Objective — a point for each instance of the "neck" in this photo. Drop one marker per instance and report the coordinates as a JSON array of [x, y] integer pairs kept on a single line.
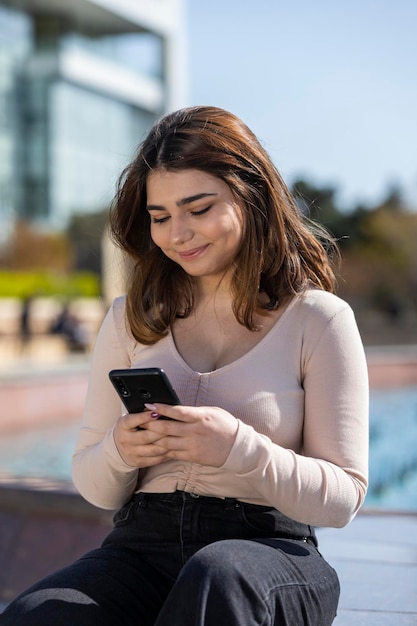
[[213, 288]]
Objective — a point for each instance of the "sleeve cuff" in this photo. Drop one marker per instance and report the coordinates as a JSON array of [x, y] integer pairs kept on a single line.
[[250, 451], [113, 455]]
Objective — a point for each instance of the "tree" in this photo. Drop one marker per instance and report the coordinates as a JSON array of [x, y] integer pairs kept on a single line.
[[33, 249], [319, 205], [378, 244], [381, 264], [85, 234]]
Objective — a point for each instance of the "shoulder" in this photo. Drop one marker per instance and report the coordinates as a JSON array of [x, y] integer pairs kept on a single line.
[[315, 310], [117, 313], [328, 330], [118, 307], [321, 303]]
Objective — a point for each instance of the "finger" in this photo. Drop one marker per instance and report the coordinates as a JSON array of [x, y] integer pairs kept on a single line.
[[150, 452], [131, 421], [151, 461], [175, 412], [164, 427]]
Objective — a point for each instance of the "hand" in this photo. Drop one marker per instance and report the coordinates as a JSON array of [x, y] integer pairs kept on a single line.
[[138, 448], [203, 435]]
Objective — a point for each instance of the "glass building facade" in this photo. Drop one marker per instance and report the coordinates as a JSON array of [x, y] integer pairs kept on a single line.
[[80, 85]]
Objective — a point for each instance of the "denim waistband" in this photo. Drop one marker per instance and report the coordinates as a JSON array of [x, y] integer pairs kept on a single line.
[[269, 520], [186, 496]]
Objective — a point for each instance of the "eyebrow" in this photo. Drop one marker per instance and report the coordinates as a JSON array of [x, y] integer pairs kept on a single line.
[[182, 202]]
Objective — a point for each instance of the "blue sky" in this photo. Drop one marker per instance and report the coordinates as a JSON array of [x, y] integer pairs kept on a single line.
[[328, 86]]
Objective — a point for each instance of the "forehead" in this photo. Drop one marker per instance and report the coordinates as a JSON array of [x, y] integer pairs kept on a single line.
[[177, 185]]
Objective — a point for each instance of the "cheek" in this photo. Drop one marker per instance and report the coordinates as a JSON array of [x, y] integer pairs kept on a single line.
[[237, 222], [152, 234], [157, 236], [236, 231], [160, 237], [229, 226]]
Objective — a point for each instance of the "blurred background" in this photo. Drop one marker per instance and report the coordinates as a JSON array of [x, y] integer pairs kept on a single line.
[[330, 90]]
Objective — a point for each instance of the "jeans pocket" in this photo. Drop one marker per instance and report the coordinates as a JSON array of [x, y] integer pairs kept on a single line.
[[123, 515], [258, 518], [269, 522]]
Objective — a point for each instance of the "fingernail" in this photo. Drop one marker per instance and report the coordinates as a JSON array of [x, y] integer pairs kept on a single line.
[[154, 415], [151, 407]]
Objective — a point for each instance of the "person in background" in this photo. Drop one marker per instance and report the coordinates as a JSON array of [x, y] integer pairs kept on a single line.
[[69, 326], [232, 294], [25, 322]]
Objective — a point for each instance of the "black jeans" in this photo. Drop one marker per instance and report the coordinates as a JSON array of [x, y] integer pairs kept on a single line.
[[180, 560]]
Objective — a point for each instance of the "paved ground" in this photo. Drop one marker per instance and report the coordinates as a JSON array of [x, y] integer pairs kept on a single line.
[[376, 558]]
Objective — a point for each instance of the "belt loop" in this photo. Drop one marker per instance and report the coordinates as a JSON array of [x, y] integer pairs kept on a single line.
[[230, 504], [143, 500]]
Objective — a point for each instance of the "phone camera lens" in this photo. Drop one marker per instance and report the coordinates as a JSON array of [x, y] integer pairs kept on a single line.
[[145, 394], [123, 389]]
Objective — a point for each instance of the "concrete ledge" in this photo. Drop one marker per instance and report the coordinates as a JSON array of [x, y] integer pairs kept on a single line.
[[40, 496], [43, 526]]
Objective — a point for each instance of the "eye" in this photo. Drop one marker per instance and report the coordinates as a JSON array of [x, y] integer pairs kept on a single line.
[[159, 220], [202, 211]]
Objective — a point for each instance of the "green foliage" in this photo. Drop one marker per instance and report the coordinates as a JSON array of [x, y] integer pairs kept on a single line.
[[22, 284], [378, 245], [320, 205]]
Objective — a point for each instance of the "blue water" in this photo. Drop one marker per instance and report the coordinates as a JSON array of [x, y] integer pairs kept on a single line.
[[393, 450]]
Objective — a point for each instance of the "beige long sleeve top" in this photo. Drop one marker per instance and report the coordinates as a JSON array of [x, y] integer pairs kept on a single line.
[[301, 400]]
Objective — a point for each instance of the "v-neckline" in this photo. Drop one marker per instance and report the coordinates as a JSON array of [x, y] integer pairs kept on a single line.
[[247, 354]]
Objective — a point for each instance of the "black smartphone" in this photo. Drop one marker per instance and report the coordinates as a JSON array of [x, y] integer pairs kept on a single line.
[[143, 385]]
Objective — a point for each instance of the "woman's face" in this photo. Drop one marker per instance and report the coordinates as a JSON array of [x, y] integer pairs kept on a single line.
[[195, 220]]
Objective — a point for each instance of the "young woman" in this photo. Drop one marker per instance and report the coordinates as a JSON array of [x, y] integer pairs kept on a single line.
[[231, 294]]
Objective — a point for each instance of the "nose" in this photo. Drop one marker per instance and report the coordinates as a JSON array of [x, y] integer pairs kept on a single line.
[[180, 231]]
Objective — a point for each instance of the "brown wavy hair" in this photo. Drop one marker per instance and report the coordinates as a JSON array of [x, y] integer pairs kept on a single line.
[[281, 250]]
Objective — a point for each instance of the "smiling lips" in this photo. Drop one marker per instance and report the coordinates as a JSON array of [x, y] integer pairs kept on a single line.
[[192, 254]]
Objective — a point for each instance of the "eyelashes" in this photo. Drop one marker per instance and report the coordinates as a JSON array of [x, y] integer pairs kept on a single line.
[[162, 220]]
